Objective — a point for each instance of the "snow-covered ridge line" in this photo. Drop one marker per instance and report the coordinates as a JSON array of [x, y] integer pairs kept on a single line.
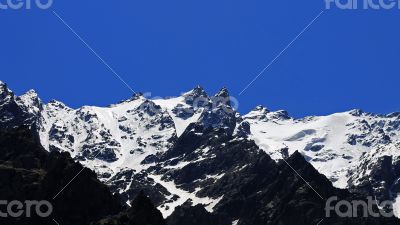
[[332, 143], [122, 135], [130, 135]]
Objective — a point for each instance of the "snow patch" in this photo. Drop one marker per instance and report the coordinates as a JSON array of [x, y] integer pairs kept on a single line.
[[168, 208]]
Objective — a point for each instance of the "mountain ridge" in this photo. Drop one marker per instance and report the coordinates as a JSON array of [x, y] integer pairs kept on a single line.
[[131, 137]]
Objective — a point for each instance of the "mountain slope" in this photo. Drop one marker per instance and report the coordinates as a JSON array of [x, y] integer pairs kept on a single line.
[[28, 172], [237, 181], [141, 212], [333, 144], [186, 149]]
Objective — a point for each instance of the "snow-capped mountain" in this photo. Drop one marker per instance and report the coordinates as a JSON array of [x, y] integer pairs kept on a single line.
[[333, 144], [176, 148]]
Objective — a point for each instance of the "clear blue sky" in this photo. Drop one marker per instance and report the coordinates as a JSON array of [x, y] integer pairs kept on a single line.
[[346, 59]]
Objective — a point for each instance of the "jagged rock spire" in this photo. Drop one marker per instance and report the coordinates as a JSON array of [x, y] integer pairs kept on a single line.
[[4, 91], [31, 96], [197, 94], [222, 98], [196, 91], [223, 93]]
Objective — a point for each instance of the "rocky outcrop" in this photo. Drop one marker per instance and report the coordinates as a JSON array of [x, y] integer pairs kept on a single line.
[[142, 211], [195, 215], [28, 172]]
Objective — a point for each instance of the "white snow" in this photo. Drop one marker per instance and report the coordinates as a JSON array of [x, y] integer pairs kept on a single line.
[[133, 135], [105, 120], [180, 124], [330, 132], [363, 167], [396, 206], [183, 197]]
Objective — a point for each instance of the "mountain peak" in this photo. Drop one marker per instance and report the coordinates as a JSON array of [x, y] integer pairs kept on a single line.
[[3, 86], [136, 96], [222, 98], [197, 94], [356, 112], [198, 87], [30, 100], [223, 93], [281, 115], [296, 161], [260, 112], [4, 91], [57, 104], [31, 93], [262, 109], [196, 91], [296, 156]]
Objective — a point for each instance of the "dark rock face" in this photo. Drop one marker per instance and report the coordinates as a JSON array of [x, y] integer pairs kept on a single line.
[[255, 189], [382, 178], [11, 114], [282, 197], [150, 108], [383, 169], [138, 182], [244, 129], [183, 112], [142, 212], [220, 117], [197, 97], [28, 172], [222, 98], [195, 215]]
